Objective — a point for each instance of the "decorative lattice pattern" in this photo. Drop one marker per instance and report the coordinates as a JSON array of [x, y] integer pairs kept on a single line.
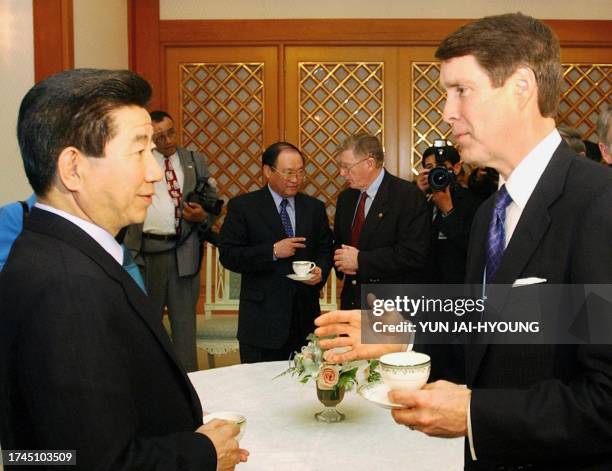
[[428, 100], [585, 87], [222, 111], [335, 101]]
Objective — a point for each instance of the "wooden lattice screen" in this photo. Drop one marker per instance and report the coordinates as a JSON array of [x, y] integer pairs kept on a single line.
[[221, 107], [335, 101]]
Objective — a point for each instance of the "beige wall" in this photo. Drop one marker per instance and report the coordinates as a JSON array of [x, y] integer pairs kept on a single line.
[[100, 34], [100, 40], [261, 9], [16, 77]]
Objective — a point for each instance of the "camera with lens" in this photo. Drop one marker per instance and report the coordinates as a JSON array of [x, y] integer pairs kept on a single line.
[[441, 177], [198, 195]]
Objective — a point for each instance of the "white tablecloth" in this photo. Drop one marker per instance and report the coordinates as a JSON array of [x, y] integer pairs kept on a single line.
[[283, 435]]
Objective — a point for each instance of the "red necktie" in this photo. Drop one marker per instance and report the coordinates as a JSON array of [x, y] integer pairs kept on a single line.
[[359, 220], [174, 189]]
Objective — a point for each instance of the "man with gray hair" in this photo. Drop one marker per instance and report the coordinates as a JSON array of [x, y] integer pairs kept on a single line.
[[604, 133], [382, 222]]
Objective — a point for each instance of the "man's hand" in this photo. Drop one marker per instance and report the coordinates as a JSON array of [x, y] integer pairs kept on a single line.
[[442, 199], [345, 259], [318, 276], [222, 435], [348, 323], [421, 180], [193, 212], [287, 247], [438, 409]]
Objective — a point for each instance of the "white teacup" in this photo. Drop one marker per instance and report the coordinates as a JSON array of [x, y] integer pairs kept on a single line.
[[230, 417], [406, 371], [303, 267]]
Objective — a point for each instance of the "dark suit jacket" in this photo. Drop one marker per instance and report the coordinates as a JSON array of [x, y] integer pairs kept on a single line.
[[547, 405], [449, 252], [395, 239], [85, 363], [267, 296]]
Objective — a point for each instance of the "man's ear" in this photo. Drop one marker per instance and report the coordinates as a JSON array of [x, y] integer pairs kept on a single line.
[[457, 168], [525, 86], [267, 171], [70, 167]]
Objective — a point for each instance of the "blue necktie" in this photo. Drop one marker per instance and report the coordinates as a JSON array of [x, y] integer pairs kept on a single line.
[[129, 265], [497, 235], [284, 215]]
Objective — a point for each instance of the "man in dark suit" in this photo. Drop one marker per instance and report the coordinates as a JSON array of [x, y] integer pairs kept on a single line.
[[452, 210], [85, 363], [382, 225], [263, 233], [540, 407], [168, 244]]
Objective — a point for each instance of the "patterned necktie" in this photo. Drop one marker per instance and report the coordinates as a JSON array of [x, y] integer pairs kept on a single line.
[[284, 215], [174, 189], [129, 265], [496, 239], [359, 220]]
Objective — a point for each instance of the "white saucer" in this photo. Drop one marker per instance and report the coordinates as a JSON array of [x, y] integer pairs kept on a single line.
[[295, 277], [377, 393]]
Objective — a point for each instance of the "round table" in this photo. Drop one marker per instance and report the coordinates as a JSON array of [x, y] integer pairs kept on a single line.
[[282, 433]]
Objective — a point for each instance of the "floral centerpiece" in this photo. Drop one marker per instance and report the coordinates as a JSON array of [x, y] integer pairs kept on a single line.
[[332, 379]]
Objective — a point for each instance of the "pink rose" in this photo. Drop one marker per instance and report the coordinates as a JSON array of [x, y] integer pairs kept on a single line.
[[328, 377]]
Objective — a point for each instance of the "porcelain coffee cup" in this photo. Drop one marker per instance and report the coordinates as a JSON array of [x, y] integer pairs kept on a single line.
[[303, 267], [405, 370], [230, 417]]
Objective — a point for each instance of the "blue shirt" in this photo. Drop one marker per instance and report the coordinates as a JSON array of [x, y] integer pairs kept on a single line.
[[11, 225]]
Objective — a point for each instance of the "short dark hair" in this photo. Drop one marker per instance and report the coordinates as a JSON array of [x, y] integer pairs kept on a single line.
[[73, 108], [449, 153], [159, 115], [503, 43], [270, 155]]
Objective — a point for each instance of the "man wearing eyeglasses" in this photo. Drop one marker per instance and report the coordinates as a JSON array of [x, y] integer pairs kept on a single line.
[[265, 231], [167, 246], [382, 227]]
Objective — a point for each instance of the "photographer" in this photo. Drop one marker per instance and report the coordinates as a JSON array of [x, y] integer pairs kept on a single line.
[[168, 245], [452, 210]]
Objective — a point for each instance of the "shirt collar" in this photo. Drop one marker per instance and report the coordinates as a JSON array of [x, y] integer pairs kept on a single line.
[[160, 157], [375, 185], [101, 236], [278, 199], [525, 176]]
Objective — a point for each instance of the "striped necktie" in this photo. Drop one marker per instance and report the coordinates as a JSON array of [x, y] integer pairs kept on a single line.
[[284, 215], [496, 239]]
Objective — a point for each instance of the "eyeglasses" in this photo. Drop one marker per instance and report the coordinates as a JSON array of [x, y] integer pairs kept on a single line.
[[166, 135], [348, 168], [290, 174]]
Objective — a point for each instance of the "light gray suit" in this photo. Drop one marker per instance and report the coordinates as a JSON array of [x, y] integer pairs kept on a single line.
[[172, 269]]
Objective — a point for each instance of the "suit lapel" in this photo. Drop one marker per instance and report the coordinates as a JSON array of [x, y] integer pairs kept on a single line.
[[189, 172], [530, 230], [269, 213], [376, 212], [59, 228], [300, 215]]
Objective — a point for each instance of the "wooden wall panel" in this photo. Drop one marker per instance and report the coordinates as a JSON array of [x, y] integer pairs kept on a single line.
[[53, 37]]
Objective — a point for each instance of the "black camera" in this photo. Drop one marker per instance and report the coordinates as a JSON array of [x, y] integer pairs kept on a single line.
[[198, 195], [441, 177]]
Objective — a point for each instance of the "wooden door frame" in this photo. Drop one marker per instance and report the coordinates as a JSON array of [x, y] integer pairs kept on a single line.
[[149, 36]]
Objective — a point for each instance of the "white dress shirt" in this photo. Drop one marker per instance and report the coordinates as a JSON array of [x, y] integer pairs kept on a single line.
[[160, 215]]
